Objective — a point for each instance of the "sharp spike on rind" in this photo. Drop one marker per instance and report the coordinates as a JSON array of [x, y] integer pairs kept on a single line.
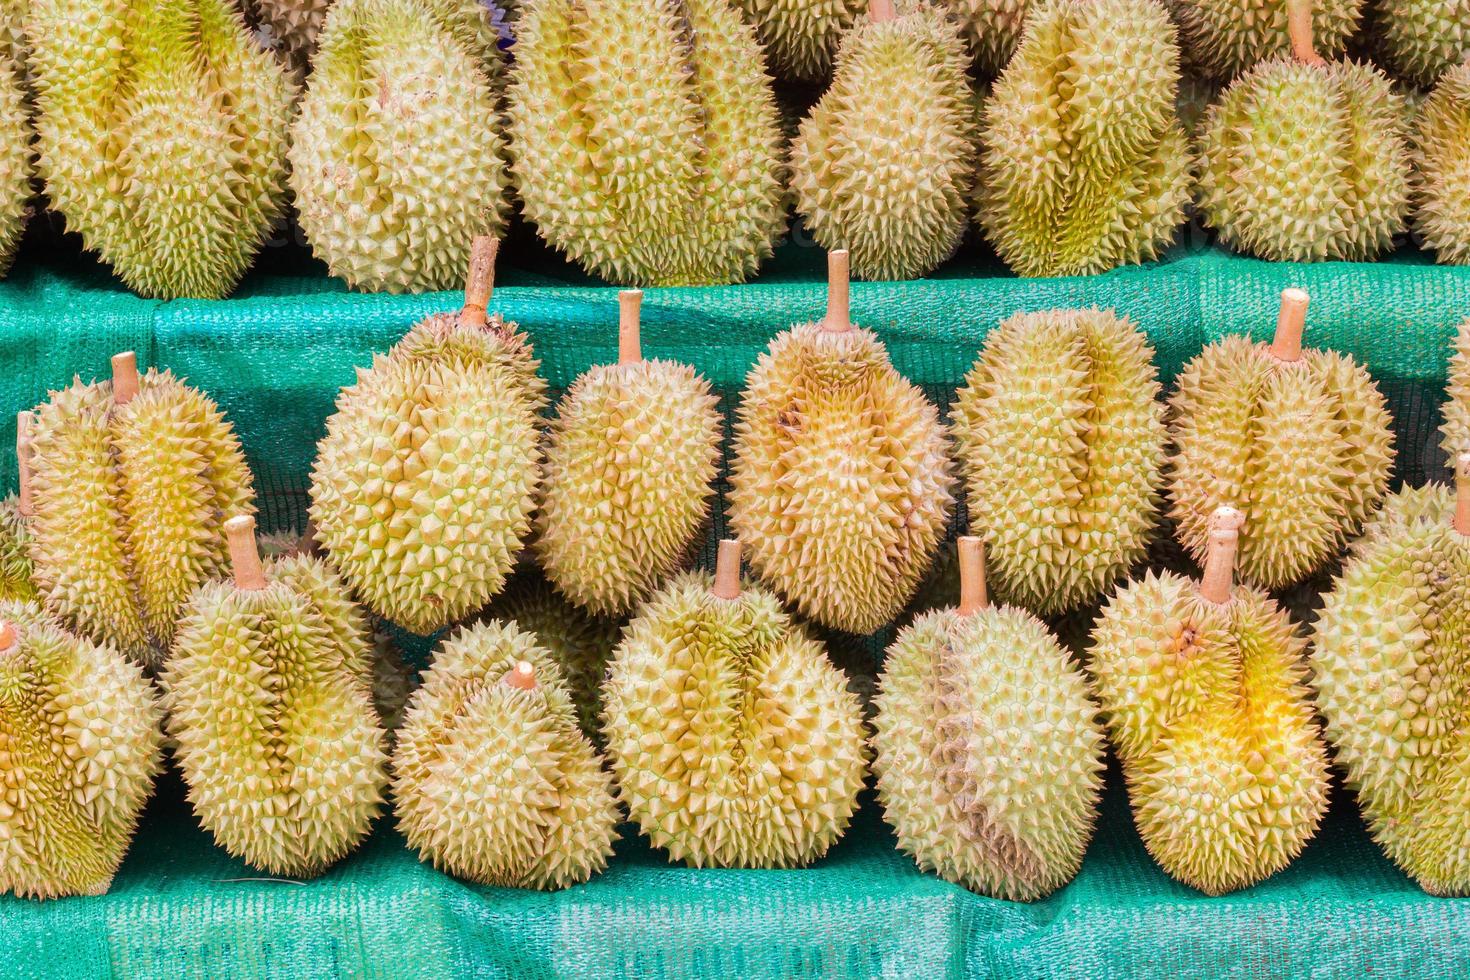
[[480, 280], [244, 554], [124, 377], [1462, 494], [1291, 323], [24, 421], [1299, 26], [630, 348], [973, 597], [727, 570], [522, 676], [1219, 577], [839, 316]]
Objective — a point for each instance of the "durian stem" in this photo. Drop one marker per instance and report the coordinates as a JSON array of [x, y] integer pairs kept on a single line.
[[1299, 27], [972, 576], [8, 637], [880, 11], [244, 555], [1462, 494], [1225, 524], [630, 349], [839, 315], [124, 377], [1291, 322], [727, 570], [24, 421], [522, 676], [479, 282]]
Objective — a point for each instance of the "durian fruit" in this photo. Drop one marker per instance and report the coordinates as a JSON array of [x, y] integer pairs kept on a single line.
[[16, 163], [1391, 661], [289, 28], [884, 164], [991, 28], [1442, 162], [269, 700], [392, 682], [1305, 160], [425, 481], [1225, 38], [1204, 689], [1455, 430], [734, 741], [1420, 40], [493, 781], [79, 730], [1061, 439], [626, 483], [645, 142], [988, 752], [17, 573], [1083, 163], [162, 131], [397, 157], [801, 37], [840, 484], [1300, 440], [131, 480]]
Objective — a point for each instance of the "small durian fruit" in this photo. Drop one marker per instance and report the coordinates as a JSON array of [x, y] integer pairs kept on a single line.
[[884, 164], [987, 749], [734, 740], [1305, 160], [1204, 690], [1224, 38], [1301, 439], [1442, 160], [1391, 662], [626, 483], [991, 28], [801, 37], [16, 163], [1422, 39], [840, 484], [131, 480], [80, 737], [17, 573], [163, 131], [425, 482], [268, 692], [645, 141], [288, 28], [1061, 439], [1084, 164], [1455, 430], [397, 157], [493, 782]]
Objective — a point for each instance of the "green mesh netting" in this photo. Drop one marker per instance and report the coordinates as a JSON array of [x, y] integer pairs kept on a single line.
[[274, 357]]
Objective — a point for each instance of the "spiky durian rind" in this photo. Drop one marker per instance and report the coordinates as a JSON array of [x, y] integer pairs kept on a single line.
[[17, 572], [16, 163], [1442, 162], [801, 37], [1223, 38], [991, 28], [1454, 432], [1420, 40]]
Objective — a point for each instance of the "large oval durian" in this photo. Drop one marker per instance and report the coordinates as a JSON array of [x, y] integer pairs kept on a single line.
[[884, 164], [80, 746], [1204, 690], [1061, 440], [131, 481], [425, 482], [162, 137], [840, 483], [1300, 440], [1391, 659], [269, 699], [1084, 165], [1224, 38], [1422, 39], [645, 139], [734, 741], [493, 780], [1442, 158], [17, 571], [397, 160], [801, 37], [987, 748], [627, 479]]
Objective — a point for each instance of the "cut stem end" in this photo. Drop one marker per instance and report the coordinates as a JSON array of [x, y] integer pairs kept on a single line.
[[630, 346], [973, 597], [124, 377], [839, 315], [522, 676], [1291, 323], [727, 570], [479, 281], [244, 555], [1219, 578], [1299, 28], [8, 637]]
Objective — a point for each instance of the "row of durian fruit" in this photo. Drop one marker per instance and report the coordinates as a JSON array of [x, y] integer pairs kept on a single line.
[[645, 141], [704, 707]]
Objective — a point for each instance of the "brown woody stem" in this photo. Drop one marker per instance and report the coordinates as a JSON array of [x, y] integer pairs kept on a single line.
[[124, 377], [244, 555], [972, 575], [1462, 494], [1299, 28], [1219, 577], [8, 637], [522, 676], [880, 11], [727, 570], [479, 282], [839, 315], [1291, 323], [630, 348]]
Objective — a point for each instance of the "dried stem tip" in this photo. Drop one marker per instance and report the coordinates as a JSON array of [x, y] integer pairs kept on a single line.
[[1290, 324], [124, 377], [1299, 28], [630, 348], [479, 281], [522, 676], [880, 11], [972, 576], [1462, 494], [244, 555], [24, 425], [8, 637], [727, 570], [1225, 526], [839, 317]]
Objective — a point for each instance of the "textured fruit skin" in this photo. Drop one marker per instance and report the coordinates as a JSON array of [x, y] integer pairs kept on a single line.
[[988, 752], [392, 681], [425, 481], [884, 164], [1225, 38], [129, 504], [1211, 718], [16, 169], [1084, 165], [1442, 163], [840, 483], [1306, 163], [400, 106], [626, 483], [1303, 448], [16, 570], [645, 142], [734, 741], [290, 28], [1420, 40], [991, 28], [269, 699], [497, 785], [132, 95], [1455, 430], [1391, 657], [80, 742], [801, 37], [1061, 440]]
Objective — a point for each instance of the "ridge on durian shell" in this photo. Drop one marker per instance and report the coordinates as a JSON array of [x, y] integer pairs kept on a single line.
[[991, 28], [800, 38], [498, 785], [1224, 38], [1442, 164], [17, 166], [1420, 40]]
